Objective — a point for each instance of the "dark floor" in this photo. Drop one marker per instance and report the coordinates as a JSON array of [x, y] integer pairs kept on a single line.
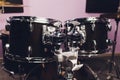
[[98, 63]]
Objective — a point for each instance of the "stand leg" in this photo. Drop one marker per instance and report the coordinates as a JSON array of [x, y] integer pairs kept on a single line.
[[112, 61]]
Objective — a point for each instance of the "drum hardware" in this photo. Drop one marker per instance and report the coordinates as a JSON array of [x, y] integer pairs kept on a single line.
[[7, 27], [4, 37], [28, 59], [18, 62], [92, 74], [112, 63], [58, 35], [53, 34], [94, 51], [65, 71], [93, 28], [74, 35], [67, 63], [11, 73], [20, 72], [68, 68], [14, 58], [27, 75], [109, 43]]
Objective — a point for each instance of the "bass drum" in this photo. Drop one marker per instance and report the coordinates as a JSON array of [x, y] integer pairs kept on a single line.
[[46, 71], [85, 73], [27, 46], [80, 72], [96, 31]]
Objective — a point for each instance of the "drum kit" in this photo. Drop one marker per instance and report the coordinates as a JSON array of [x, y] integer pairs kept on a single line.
[[44, 49], [112, 62]]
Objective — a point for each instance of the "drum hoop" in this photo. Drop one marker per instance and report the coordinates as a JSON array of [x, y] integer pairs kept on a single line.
[[93, 20], [30, 59], [33, 19]]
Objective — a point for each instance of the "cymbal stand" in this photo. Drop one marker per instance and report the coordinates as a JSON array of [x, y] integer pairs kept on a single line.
[[112, 60]]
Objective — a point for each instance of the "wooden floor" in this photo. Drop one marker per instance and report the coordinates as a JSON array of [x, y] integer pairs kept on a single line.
[[98, 63]]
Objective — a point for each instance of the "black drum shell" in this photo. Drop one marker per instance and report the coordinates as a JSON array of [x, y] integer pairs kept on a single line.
[[96, 29], [27, 32], [47, 71], [26, 40]]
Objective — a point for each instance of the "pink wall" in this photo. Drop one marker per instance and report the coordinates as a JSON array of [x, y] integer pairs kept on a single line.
[[57, 9]]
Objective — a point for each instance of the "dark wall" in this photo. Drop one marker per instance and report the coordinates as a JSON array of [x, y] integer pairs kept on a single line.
[[102, 6], [15, 1]]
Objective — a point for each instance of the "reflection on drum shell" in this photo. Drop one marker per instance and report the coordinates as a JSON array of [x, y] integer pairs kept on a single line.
[[28, 32], [96, 33]]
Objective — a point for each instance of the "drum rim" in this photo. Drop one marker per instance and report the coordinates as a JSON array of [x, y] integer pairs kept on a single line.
[[33, 19], [95, 19], [17, 58]]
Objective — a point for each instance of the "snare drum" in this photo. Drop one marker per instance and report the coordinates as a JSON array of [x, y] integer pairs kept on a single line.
[[96, 32], [27, 44]]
